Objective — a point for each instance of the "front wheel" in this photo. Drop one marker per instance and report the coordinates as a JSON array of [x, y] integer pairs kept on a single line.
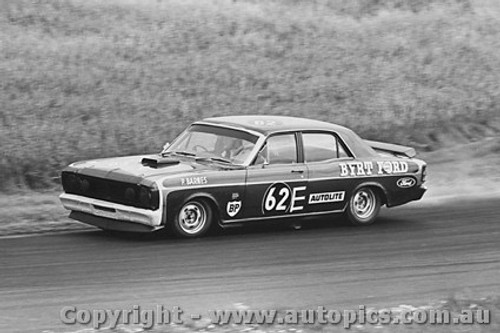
[[193, 220], [364, 206]]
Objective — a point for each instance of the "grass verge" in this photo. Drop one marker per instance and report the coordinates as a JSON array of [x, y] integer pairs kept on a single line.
[[86, 79], [32, 213]]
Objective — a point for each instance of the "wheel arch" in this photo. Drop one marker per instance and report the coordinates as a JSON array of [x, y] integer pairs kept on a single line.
[[176, 199], [379, 189], [209, 199]]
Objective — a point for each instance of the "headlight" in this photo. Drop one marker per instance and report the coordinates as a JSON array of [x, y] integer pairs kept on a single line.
[[144, 197], [130, 194], [84, 185], [70, 182]]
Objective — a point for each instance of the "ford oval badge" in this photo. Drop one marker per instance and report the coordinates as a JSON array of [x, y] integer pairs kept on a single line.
[[406, 182]]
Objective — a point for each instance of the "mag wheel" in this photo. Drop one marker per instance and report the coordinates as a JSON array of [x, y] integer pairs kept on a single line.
[[193, 220], [363, 206]]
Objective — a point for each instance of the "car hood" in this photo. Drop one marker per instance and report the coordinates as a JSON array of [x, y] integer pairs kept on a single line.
[[135, 168]]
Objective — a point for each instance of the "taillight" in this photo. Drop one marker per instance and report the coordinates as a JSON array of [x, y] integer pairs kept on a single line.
[[424, 173]]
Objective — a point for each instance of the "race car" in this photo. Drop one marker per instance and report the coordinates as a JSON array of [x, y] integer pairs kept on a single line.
[[239, 169]]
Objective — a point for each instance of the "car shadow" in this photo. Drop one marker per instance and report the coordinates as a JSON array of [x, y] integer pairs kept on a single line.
[[330, 224]]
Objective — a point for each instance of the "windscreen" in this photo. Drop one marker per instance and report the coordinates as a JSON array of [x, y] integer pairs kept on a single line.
[[225, 144]]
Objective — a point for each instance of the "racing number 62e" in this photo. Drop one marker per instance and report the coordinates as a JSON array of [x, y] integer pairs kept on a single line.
[[280, 198]]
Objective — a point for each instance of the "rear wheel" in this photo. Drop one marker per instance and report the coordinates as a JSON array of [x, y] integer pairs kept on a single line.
[[364, 206], [193, 219]]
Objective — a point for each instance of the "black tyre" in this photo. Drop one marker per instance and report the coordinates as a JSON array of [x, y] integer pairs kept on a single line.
[[193, 219], [364, 206]]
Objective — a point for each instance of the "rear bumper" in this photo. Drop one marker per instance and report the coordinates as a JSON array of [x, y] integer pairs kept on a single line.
[[408, 195], [107, 215]]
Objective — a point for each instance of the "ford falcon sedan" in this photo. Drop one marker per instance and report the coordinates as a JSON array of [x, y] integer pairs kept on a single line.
[[239, 169]]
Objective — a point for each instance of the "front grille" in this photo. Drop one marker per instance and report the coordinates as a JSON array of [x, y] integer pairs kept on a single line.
[[135, 195]]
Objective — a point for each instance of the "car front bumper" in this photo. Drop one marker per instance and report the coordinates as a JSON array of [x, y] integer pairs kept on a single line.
[[96, 212]]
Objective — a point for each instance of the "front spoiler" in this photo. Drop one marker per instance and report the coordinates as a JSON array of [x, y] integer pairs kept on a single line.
[[109, 224]]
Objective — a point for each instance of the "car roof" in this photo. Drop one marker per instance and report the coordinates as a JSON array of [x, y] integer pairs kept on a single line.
[[270, 124], [267, 125]]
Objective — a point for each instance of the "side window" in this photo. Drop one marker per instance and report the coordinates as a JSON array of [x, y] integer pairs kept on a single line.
[[281, 149], [341, 152], [322, 147]]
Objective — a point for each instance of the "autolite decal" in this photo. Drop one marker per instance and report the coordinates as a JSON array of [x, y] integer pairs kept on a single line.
[[326, 197], [354, 169]]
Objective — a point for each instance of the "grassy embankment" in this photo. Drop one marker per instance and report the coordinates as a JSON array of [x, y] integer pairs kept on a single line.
[[85, 79]]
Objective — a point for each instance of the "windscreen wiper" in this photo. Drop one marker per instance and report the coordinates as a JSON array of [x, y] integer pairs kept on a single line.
[[215, 159], [182, 153]]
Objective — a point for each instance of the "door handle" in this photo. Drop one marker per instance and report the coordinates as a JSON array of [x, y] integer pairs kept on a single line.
[[297, 171]]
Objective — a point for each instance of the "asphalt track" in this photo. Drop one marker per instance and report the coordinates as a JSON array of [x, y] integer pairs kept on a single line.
[[412, 255]]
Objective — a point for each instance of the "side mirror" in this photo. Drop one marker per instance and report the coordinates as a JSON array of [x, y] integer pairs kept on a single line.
[[165, 146], [261, 160], [261, 157]]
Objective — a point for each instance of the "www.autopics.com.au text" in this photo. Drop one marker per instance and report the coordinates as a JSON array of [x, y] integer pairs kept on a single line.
[[160, 315]]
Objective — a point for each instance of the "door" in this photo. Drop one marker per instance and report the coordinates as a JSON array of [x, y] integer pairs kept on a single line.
[[276, 185], [327, 191]]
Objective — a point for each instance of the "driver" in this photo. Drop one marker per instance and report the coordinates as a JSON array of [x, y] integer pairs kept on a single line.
[[231, 148], [236, 151]]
